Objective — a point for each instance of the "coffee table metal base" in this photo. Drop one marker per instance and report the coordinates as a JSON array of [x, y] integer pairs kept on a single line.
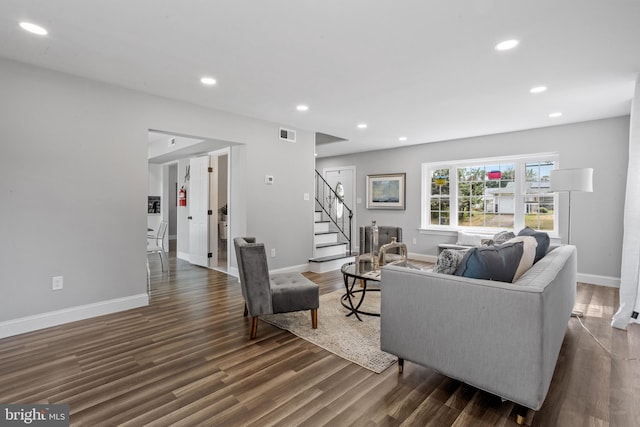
[[351, 297]]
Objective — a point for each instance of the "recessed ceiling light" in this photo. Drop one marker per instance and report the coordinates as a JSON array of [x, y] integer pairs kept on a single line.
[[209, 81], [554, 115], [507, 44], [402, 138], [302, 107], [538, 89], [362, 126], [33, 28]]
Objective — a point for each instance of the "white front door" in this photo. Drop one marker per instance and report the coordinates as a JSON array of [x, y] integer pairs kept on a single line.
[[198, 211]]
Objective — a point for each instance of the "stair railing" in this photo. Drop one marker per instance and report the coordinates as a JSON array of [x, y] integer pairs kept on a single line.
[[329, 200]]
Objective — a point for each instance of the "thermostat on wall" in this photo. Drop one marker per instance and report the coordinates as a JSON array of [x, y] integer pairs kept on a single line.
[[268, 179]]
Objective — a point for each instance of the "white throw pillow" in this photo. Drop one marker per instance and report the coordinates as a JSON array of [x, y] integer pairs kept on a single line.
[[528, 254], [468, 239]]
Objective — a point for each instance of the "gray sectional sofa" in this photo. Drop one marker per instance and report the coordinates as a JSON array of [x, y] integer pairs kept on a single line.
[[503, 338]]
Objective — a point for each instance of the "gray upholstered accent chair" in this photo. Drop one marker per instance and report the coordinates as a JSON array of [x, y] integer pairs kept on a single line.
[[275, 293], [385, 234]]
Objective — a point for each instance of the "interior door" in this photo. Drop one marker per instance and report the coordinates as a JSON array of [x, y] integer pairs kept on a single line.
[[199, 211]]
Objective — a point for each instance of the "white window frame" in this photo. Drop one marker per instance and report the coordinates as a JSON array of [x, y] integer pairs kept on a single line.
[[519, 177]]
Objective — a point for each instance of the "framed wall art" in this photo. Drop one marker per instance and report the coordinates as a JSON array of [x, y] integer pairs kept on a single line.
[[154, 205], [386, 191]]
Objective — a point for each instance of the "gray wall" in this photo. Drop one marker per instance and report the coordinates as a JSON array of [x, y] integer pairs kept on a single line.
[[73, 186], [597, 217]]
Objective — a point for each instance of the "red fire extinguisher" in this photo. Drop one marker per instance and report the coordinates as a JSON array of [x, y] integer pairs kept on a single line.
[[182, 197]]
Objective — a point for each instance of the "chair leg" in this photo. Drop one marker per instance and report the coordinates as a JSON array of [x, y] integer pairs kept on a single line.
[[246, 311], [314, 318], [400, 366], [166, 258], [254, 327], [161, 260], [148, 277]]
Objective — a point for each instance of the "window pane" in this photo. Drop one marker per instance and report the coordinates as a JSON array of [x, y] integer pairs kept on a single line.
[[439, 197], [538, 200], [440, 181], [486, 195]]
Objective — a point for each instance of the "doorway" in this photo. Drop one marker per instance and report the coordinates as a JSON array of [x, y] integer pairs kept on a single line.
[[170, 170]]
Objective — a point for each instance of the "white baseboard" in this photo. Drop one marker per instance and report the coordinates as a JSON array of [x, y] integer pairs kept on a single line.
[[594, 279], [54, 318], [302, 268], [183, 256]]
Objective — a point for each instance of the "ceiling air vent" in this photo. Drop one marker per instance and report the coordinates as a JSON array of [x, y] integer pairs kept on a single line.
[[287, 135]]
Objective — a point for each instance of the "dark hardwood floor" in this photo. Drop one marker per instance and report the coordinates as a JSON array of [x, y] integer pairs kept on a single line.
[[186, 359]]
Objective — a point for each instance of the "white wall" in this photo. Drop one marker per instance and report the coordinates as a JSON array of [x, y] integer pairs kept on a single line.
[[73, 188], [597, 217]]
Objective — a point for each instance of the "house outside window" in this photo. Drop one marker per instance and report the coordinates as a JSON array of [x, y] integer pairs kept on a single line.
[[490, 194]]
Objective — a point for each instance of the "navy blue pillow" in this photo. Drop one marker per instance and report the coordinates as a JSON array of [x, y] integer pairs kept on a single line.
[[543, 241], [499, 262]]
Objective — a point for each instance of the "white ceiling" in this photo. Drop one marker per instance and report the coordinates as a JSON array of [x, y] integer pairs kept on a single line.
[[421, 69]]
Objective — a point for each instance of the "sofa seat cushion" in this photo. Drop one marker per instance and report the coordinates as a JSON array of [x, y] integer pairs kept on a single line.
[[499, 262], [293, 292]]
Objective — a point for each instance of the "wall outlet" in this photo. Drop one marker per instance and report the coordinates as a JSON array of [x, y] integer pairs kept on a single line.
[[305, 196], [273, 252], [268, 179], [57, 283], [414, 241]]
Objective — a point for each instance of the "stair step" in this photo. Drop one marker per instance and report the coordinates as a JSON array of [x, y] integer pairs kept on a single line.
[[328, 245], [328, 237], [332, 257], [330, 263]]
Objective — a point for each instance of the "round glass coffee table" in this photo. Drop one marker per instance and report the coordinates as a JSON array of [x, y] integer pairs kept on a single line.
[[359, 271]]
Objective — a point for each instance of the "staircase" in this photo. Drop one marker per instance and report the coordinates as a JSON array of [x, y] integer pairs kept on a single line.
[[332, 234]]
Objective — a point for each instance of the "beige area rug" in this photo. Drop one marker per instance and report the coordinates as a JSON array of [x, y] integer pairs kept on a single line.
[[347, 337]]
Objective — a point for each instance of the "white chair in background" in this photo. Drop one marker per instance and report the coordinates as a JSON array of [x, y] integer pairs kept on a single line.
[[156, 245]]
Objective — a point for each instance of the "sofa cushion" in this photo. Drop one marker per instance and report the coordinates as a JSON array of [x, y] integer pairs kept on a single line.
[[502, 236], [498, 262], [448, 261], [468, 239], [528, 254], [541, 237]]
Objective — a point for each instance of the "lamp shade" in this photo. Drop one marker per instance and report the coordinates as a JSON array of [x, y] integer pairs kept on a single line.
[[572, 180]]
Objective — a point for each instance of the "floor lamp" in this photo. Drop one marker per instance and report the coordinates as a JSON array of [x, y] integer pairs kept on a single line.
[[570, 181]]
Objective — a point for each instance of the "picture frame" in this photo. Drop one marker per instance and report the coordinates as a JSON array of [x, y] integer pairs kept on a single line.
[[153, 205], [386, 191]]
